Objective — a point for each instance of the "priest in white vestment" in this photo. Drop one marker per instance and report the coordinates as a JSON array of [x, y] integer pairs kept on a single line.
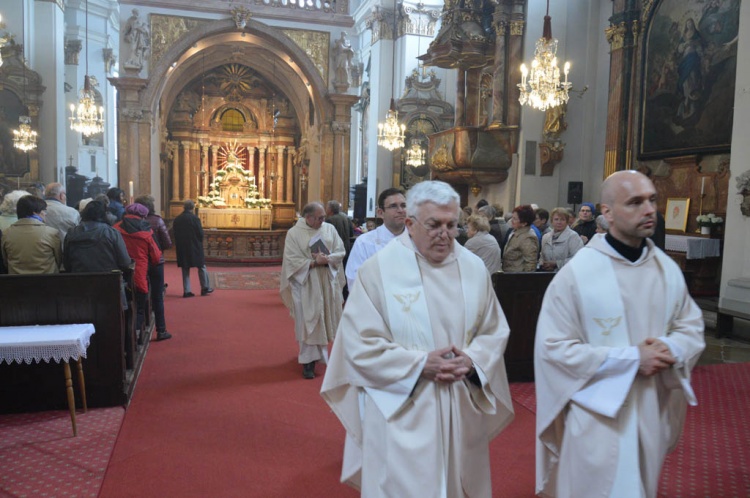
[[392, 208], [312, 277], [417, 375], [616, 340]]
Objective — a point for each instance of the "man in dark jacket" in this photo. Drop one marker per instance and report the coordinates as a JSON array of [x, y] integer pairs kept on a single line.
[[188, 238], [93, 245]]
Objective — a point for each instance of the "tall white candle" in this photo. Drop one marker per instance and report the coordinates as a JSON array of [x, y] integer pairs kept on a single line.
[[703, 184], [130, 185]]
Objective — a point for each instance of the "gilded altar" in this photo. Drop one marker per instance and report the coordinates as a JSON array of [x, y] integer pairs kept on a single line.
[[234, 218]]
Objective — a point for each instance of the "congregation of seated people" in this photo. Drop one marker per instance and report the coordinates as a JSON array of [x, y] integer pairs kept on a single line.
[[41, 234]]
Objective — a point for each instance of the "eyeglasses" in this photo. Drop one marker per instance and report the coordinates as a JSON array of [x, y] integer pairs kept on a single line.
[[396, 206], [435, 230]]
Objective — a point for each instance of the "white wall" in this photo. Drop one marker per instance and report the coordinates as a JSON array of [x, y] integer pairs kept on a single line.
[[736, 263]]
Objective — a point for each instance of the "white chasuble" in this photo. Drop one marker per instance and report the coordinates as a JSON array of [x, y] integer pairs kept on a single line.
[[407, 436]]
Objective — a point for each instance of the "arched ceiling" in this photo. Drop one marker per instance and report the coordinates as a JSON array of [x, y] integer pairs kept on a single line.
[[274, 62]]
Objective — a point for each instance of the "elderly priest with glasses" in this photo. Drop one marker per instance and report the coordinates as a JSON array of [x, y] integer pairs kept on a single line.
[[416, 374]]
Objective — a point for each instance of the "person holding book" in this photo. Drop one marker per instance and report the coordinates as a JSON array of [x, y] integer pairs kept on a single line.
[[312, 278]]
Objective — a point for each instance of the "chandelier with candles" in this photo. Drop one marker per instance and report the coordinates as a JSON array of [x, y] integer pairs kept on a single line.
[[415, 154], [24, 137], [391, 135], [541, 87], [86, 117]]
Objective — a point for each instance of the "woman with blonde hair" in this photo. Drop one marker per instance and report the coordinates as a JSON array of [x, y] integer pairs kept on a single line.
[[482, 243], [561, 244]]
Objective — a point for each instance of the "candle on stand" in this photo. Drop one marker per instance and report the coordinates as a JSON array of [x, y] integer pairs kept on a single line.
[[703, 184], [130, 187]]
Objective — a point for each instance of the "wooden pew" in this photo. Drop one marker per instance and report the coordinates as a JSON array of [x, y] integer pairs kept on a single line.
[[110, 368], [520, 295]]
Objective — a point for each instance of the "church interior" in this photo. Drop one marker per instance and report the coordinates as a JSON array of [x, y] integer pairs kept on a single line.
[[254, 109]]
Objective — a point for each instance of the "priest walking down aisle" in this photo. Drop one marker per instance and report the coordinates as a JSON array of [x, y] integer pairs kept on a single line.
[[417, 375], [312, 278]]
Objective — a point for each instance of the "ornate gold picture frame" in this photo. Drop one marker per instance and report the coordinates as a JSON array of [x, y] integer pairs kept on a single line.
[[676, 214]]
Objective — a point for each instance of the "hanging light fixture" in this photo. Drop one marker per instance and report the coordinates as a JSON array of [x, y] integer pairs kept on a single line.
[[86, 118], [24, 138], [391, 135], [415, 154], [541, 88]]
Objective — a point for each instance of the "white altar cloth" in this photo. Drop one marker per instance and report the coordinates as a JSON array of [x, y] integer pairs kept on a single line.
[[34, 343], [695, 247]]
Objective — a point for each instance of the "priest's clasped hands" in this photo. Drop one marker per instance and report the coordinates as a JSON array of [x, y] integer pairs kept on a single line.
[[447, 365], [655, 357]]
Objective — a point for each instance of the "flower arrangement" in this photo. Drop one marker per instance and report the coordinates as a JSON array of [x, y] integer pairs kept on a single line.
[[253, 200], [709, 220]]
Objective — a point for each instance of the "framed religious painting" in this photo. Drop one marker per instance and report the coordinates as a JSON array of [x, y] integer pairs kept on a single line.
[[689, 67], [676, 215]]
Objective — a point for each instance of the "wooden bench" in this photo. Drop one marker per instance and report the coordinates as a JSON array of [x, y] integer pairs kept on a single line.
[[114, 355], [520, 295]]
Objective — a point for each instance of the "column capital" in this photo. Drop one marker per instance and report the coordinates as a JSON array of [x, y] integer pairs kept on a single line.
[[516, 27]]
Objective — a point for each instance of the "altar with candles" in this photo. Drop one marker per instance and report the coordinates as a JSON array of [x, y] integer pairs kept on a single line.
[[233, 200]]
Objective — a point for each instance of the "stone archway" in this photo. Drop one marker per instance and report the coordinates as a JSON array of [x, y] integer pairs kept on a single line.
[[324, 117]]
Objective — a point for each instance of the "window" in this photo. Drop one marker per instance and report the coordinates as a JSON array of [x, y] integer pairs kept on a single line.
[[232, 120]]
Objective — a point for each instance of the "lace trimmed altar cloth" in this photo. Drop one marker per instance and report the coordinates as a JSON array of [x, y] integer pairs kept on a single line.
[[34, 343]]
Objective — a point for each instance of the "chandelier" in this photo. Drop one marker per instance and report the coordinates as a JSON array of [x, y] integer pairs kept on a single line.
[[541, 88], [415, 154], [391, 135], [86, 117], [24, 137]]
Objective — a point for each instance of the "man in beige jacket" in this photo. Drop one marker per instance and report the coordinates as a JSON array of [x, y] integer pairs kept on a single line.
[[28, 245]]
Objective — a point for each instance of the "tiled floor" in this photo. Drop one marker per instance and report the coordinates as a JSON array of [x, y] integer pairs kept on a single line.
[[724, 350]]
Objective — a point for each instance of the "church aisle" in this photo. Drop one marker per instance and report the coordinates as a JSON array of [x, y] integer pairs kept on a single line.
[[222, 410]]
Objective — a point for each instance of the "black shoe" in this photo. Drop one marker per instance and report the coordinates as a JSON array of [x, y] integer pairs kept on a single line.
[[308, 370], [188, 294], [163, 336], [206, 292]]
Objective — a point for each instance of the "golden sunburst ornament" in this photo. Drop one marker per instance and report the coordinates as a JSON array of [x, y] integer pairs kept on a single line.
[[235, 78], [232, 154]]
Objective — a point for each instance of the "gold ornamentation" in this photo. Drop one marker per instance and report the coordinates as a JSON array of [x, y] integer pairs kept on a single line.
[[407, 300], [516, 28], [646, 9], [500, 27], [608, 324], [616, 36], [315, 44], [441, 160], [240, 16], [166, 30]]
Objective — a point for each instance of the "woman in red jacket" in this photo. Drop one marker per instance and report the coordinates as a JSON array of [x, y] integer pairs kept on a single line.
[[138, 237]]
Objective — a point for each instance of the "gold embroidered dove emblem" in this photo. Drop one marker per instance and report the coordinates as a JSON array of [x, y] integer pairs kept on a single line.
[[407, 300], [607, 324]]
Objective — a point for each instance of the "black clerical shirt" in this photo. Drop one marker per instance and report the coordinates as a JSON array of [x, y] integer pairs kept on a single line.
[[628, 252]]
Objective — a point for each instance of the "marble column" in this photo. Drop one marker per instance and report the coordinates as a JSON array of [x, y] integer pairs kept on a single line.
[[214, 161], [262, 171], [619, 106], [195, 166], [500, 23], [204, 169], [176, 172], [289, 176], [280, 173], [251, 162], [513, 76], [185, 170]]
